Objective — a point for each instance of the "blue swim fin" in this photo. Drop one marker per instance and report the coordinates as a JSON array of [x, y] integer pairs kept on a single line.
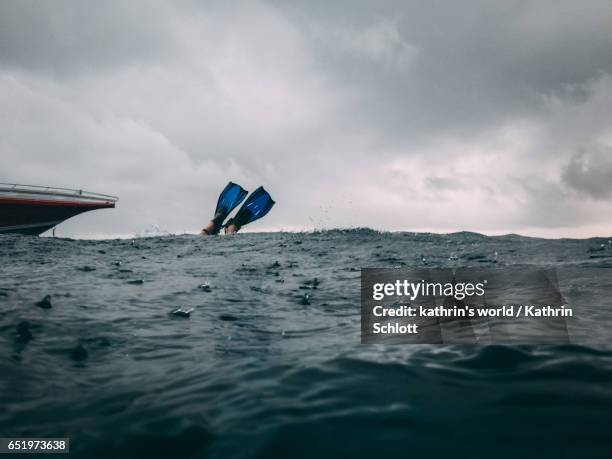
[[257, 205], [232, 195]]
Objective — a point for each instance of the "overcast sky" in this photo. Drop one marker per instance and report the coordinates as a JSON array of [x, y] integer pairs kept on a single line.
[[424, 116]]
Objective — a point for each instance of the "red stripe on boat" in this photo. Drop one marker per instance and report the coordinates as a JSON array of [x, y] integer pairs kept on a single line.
[[43, 202]]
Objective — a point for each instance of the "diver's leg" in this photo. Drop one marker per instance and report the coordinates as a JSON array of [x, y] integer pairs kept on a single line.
[[208, 229]]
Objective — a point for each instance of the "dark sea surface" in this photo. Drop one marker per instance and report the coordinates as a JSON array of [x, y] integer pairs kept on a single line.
[[270, 365]]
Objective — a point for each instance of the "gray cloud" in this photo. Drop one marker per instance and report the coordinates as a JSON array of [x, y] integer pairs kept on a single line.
[[65, 38], [471, 65], [394, 115], [590, 172]]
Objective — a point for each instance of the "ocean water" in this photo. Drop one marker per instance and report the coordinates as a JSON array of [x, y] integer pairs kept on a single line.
[[269, 364]]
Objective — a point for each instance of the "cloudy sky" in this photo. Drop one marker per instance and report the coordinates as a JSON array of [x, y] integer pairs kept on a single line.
[[428, 116]]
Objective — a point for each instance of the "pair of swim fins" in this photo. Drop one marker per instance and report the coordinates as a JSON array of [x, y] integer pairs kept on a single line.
[[257, 205]]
